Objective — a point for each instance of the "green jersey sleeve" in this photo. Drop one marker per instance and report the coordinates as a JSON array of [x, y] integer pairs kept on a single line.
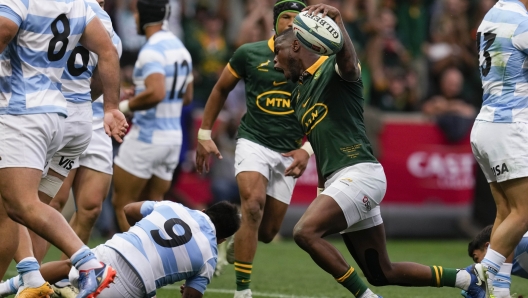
[[237, 63]]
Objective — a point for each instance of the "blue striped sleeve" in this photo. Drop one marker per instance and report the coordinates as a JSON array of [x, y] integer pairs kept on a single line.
[[519, 39], [7, 12], [198, 283], [147, 208]]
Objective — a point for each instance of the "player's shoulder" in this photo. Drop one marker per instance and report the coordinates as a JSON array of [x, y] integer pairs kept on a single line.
[[258, 47]]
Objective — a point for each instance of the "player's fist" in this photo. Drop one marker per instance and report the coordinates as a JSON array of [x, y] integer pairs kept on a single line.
[[115, 124]]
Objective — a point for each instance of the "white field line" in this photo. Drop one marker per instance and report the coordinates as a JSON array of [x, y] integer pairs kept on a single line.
[[255, 294]]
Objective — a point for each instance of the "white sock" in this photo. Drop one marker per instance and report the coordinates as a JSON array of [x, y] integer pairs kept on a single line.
[[84, 259], [502, 281], [367, 293], [493, 261], [463, 279], [28, 269], [10, 286]]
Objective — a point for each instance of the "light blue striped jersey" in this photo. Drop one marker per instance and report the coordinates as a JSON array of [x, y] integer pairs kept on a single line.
[[79, 69], [171, 243], [32, 65], [502, 40], [165, 54], [520, 260]]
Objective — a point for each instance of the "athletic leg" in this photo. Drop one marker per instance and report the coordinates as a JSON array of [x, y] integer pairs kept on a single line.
[[325, 217], [127, 189], [156, 188], [252, 187], [90, 189], [272, 217], [8, 230]]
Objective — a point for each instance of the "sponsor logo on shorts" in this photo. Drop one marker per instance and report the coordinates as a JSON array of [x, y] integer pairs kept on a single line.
[[346, 181], [366, 202], [66, 163], [500, 169]]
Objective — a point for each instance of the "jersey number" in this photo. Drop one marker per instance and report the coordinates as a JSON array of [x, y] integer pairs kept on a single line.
[[174, 240], [489, 38], [185, 65], [61, 37], [85, 56]]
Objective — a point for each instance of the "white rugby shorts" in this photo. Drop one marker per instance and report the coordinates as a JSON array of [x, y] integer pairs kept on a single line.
[[501, 149], [252, 157], [29, 141], [99, 154], [145, 160], [127, 283], [358, 190], [77, 136]]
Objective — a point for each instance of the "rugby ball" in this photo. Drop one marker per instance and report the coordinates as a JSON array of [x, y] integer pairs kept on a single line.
[[319, 35]]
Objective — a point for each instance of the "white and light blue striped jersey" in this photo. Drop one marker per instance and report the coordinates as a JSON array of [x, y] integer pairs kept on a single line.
[[520, 260], [79, 69], [171, 243], [163, 53], [33, 63], [502, 40]]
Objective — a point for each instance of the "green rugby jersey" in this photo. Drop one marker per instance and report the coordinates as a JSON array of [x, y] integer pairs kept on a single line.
[[330, 111], [270, 120]]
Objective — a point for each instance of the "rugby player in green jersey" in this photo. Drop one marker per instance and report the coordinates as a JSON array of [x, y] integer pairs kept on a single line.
[[328, 104], [268, 158]]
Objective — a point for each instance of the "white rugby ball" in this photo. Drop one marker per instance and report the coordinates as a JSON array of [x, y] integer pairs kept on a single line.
[[319, 35]]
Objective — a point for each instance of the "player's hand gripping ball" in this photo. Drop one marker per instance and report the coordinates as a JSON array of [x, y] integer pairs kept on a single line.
[[319, 35]]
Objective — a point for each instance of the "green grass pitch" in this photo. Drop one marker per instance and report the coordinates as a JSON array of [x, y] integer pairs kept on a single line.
[[283, 270]]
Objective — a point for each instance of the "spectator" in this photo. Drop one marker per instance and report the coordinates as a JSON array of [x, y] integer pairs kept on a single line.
[[258, 24], [453, 112], [393, 83]]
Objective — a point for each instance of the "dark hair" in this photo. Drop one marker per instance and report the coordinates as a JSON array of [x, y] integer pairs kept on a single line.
[[286, 34], [225, 218], [479, 240], [286, 5]]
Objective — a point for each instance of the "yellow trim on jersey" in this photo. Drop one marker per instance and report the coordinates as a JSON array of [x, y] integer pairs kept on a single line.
[[232, 71], [316, 65], [271, 44], [437, 276], [347, 274]]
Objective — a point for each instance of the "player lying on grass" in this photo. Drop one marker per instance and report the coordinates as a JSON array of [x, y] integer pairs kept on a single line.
[[168, 243], [478, 248]]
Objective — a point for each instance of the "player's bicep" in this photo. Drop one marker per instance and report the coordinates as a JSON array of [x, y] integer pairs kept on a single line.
[[11, 16], [94, 41], [134, 212], [155, 85], [189, 292], [227, 80]]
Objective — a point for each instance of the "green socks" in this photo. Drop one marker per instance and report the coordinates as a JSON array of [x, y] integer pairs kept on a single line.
[[243, 275], [443, 277], [352, 282]]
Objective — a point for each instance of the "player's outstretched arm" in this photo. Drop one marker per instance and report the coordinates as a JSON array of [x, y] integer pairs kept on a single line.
[[206, 146], [8, 30], [346, 58], [134, 212], [189, 292]]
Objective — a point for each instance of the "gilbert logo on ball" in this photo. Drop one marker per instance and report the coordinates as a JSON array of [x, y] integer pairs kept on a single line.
[[319, 35]]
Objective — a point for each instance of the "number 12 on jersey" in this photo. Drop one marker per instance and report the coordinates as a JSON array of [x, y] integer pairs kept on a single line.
[[185, 67]]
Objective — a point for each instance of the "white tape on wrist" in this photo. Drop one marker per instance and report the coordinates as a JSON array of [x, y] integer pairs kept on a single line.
[[204, 134], [308, 148], [320, 190], [124, 106]]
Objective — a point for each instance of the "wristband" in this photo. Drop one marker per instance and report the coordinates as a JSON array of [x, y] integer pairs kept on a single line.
[[308, 148], [124, 106], [320, 190], [204, 134]]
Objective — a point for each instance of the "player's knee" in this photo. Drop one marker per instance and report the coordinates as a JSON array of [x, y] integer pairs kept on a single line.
[[58, 203], [252, 209], [302, 236], [375, 276], [89, 213], [15, 211]]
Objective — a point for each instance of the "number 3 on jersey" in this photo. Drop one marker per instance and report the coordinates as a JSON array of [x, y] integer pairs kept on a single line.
[[489, 38], [174, 240]]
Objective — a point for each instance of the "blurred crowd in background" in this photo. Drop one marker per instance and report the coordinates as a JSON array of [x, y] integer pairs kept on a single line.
[[416, 55]]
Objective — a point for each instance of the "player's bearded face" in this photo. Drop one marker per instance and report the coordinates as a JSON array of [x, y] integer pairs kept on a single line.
[[294, 68]]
